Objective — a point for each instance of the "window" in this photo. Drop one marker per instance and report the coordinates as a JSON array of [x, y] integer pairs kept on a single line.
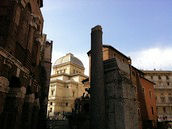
[[152, 111], [51, 109], [66, 104], [159, 77], [151, 77], [150, 94], [52, 92], [164, 109], [168, 83], [162, 99], [170, 99], [73, 93], [167, 78], [51, 103], [143, 89]]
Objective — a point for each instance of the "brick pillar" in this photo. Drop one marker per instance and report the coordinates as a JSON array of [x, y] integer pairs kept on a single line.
[[97, 95], [13, 108]]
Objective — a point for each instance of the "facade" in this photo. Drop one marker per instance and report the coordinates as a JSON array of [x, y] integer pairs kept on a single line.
[[65, 85], [123, 99], [146, 118], [163, 92], [25, 63], [117, 96], [149, 96], [146, 99]]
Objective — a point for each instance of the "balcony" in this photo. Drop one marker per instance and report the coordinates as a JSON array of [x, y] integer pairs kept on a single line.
[[163, 86], [165, 104]]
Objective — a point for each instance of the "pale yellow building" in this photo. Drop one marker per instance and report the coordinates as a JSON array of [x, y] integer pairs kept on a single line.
[[163, 92], [65, 85]]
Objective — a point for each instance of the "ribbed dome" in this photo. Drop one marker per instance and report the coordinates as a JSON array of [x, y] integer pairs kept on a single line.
[[68, 58]]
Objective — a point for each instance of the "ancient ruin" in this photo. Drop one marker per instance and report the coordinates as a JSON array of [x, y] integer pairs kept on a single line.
[[25, 64]]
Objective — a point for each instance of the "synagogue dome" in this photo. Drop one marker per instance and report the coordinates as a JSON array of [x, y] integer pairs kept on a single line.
[[69, 58]]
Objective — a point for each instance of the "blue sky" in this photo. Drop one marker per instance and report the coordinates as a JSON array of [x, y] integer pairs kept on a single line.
[[138, 28]]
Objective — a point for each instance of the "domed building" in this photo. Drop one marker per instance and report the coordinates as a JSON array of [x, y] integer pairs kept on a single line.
[[65, 85]]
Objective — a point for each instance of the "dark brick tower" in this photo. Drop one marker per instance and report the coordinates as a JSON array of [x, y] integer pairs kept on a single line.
[[97, 80]]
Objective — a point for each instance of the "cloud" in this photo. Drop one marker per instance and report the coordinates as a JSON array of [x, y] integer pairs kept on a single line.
[[159, 58], [82, 56]]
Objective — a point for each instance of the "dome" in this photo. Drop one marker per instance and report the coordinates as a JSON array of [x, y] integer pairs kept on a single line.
[[69, 58]]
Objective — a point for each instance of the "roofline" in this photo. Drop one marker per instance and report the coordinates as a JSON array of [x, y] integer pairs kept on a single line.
[[109, 46], [68, 63], [138, 70], [148, 80], [64, 82], [157, 72], [69, 75]]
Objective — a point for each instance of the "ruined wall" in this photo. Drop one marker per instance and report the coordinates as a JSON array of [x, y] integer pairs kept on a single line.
[[21, 27], [121, 104]]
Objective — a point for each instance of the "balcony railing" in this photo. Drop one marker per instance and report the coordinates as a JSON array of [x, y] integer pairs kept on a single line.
[[163, 87], [164, 104]]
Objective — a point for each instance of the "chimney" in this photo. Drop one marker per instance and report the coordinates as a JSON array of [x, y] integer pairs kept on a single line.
[[97, 96]]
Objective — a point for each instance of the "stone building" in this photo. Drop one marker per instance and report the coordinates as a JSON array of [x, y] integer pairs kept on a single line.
[[150, 102], [146, 99], [65, 86], [25, 63], [146, 117], [113, 100], [163, 92]]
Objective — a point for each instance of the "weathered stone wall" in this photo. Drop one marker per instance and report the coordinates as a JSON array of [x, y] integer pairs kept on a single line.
[[121, 105], [21, 27]]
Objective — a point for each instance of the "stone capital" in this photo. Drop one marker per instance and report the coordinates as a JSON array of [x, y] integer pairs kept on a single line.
[[4, 83], [98, 27], [17, 92]]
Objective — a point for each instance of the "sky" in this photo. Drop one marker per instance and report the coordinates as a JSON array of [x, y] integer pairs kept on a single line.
[[141, 29]]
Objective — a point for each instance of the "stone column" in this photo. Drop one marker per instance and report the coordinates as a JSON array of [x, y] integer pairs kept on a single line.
[[97, 95]]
